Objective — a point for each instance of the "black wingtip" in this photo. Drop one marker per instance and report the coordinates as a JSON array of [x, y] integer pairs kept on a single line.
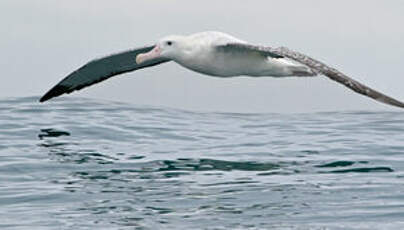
[[47, 96], [54, 92], [43, 99]]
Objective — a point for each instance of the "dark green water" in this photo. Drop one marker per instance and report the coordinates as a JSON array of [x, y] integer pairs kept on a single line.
[[85, 164]]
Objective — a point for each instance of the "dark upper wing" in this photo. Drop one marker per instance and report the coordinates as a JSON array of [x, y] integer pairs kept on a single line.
[[327, 71], [101, 69]]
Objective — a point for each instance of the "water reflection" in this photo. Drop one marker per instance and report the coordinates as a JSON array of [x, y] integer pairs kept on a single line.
[[52, 133]]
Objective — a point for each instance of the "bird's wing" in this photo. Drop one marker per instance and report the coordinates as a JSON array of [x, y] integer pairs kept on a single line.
[[101, 69], [246, 48], [321, 68]]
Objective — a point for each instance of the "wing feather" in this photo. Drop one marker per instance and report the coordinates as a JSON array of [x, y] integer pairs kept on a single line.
[[101, 69], [327, 71], [246, 48]]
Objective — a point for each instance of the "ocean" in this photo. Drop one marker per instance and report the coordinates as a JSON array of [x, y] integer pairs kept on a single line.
[[76, 163]]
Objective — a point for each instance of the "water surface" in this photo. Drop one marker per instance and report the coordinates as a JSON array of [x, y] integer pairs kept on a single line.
[[86, 164]]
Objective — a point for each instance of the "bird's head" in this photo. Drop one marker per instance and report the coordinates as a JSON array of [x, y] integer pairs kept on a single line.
[[167, 47]]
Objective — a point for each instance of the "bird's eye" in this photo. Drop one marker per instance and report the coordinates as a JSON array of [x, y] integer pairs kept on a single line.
[[169, 43]]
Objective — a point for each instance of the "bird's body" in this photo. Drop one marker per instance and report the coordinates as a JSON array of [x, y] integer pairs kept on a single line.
[[207, 53], [233, 64], [211, 53]]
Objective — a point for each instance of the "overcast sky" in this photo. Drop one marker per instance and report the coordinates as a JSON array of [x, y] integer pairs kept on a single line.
[[43, 40]]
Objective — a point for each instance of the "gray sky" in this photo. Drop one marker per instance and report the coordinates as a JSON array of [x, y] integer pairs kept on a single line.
[[43, 40]]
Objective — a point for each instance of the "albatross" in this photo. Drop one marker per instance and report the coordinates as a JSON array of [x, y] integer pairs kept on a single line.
[[215, 54]]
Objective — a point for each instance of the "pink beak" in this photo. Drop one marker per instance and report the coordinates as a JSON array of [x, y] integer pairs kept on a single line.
[[152, 54]]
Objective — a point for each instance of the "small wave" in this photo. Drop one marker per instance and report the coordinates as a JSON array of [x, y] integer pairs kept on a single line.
[[363, 170]]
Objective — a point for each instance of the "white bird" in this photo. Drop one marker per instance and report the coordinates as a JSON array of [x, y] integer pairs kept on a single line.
[[211, 53]]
